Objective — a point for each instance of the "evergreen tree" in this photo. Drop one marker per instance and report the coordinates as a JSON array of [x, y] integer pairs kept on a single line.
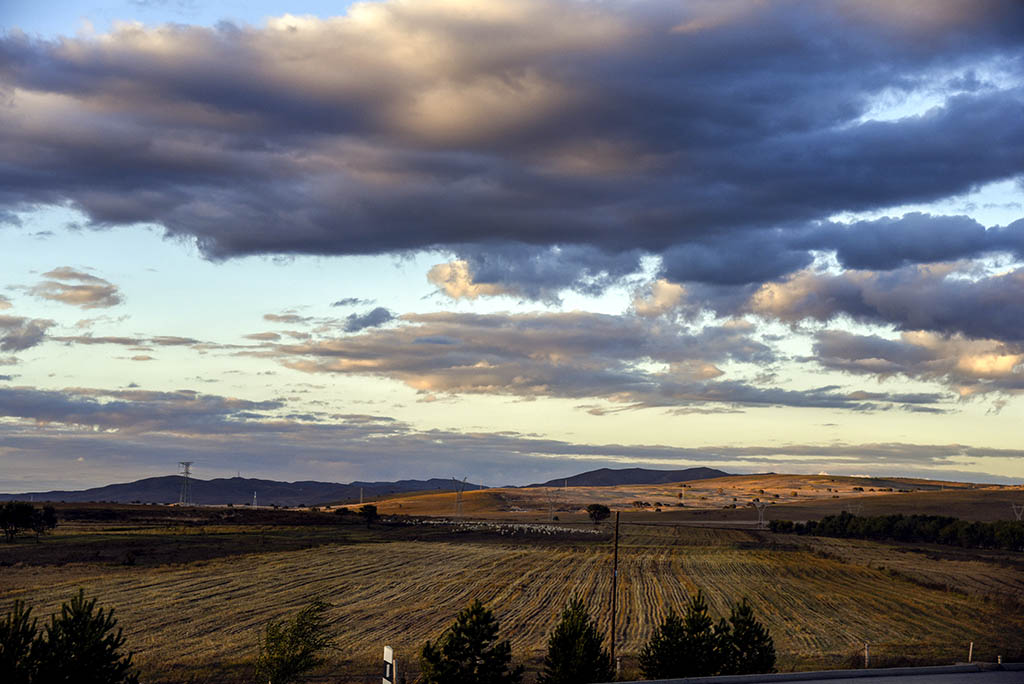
[[467, 653], [81, 646], [18, 646], [575, 654], [750, 647], [682, 647]]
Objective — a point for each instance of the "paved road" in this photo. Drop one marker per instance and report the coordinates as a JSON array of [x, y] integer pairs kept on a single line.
[[958, 678], [957, 674]]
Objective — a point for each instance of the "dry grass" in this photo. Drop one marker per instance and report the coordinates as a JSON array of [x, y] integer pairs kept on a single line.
[[797, 497], [821, 603]]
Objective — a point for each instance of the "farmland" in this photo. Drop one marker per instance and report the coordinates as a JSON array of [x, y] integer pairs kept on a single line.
[[192, 594]]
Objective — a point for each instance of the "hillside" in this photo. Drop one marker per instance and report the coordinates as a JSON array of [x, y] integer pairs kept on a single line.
[[726, 499], [239, 490], [612, 477]]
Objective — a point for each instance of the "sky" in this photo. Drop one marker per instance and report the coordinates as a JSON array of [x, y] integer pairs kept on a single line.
[[510, 240]]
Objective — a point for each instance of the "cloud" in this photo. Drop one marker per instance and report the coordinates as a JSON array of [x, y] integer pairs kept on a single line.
[[352, 301], [615, 129], [5, 303], [969, 367], [77, 288], [628, 361], [18, 333], [132, 411], [658, 298], [287, 318], [349, 447], [454, 280], [915, 238], [264, 336], [371, 319], [157, 341], [933, 298], [533, 272]]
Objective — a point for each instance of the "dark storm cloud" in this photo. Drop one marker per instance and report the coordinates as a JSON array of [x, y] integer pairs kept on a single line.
[[18, 333], [916, 238], [629, 361], [371, 319], [677, 128]]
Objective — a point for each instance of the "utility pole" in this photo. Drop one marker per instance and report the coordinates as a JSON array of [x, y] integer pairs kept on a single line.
[[615, 582]]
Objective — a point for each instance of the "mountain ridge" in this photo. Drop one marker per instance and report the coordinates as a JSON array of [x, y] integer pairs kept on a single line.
[[610, 477], [166, 489]]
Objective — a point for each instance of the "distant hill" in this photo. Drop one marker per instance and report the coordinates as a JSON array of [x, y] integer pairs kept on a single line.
[[610, 477], [239, 490]]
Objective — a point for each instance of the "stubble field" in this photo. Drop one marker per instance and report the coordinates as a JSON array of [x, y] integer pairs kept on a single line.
[[198, 620]]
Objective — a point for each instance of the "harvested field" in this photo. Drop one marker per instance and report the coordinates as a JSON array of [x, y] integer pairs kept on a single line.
[[821, 603]]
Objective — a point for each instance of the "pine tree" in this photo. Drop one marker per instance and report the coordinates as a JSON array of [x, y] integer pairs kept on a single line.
[[752, 650], [81, 646], [19, 653], [575, 654], [682, 647], [467, 652]]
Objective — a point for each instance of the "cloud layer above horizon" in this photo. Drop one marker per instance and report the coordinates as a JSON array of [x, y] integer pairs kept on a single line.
[[785, 194]]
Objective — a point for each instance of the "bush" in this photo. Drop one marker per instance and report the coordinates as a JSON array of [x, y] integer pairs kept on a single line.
[[288, 648], [575, 653], [368, 513], [468, 652], [80, 645]]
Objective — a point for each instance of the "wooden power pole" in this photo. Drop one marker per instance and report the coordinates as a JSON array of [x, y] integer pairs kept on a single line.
[[615, 582]]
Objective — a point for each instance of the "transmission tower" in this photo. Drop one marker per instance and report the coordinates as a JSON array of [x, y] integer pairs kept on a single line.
[[761, 506], [1018, 510], [854, 508], [254, 500], [551, 492], [459, 488], [185, 470]]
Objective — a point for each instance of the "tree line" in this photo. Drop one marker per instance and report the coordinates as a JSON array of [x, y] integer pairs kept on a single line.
[[21, 516], [931, 529]]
